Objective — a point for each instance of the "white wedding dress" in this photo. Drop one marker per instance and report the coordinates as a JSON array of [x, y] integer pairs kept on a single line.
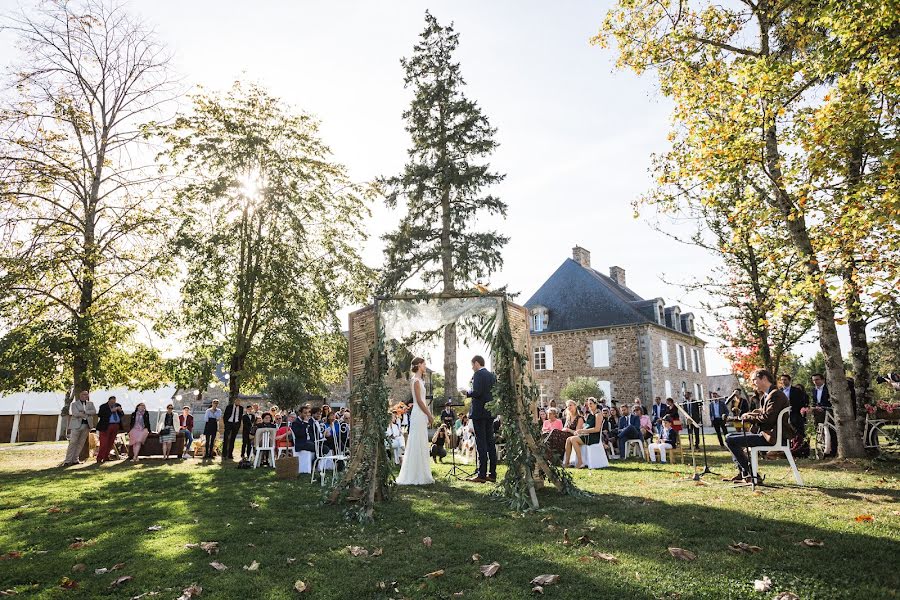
[[416, 467]]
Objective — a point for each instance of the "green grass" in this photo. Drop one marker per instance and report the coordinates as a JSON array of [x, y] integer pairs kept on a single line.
[[638, 510]]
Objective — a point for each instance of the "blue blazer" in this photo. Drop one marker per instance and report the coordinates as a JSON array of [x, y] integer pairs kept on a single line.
[[303, 432], [482, 383], [632, 420], [723, 409], [658, 411]]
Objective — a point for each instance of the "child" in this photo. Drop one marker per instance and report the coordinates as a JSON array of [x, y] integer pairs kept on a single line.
[[667, 441]]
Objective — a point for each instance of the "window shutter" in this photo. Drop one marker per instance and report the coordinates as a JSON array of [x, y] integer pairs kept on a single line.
[[548, 349], [606, 388], [664, 351], [668, 389], [601, 353]]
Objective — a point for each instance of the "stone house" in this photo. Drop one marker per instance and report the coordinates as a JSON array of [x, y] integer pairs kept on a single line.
[[587, 324]]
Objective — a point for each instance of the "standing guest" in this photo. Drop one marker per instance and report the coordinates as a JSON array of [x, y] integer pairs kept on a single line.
[[822, 402], [629, 429], [448, 415], [638, 404], [765, 421], [211, 427], [232, 418], [552, 422], [186, 426], [646, 423], [672, 410], [247, 423], [743, 402], [165, 425], [109, 421], [440, 439], [303, 430], [718, 414], [666, 441], [395, 438], [139, 430], [657, 412], [798, 400], [692, 408], [81, 409]]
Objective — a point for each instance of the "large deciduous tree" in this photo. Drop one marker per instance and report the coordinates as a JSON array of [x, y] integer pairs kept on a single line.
[[269, 239], [444, 184], [749, 81], [82, 227]]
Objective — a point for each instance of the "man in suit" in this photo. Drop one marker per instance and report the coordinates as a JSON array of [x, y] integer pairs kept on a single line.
[[657, 412], [247, 423], [232, 418], [186, 426], [822, 400], [110, 416], [718, 413], [81, 410], [765, 422], [304, 430], [629, 429], [692, 407], [798, 399], [482, 421]]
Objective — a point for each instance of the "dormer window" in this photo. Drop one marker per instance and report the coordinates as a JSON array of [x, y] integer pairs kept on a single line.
[[538, 319]]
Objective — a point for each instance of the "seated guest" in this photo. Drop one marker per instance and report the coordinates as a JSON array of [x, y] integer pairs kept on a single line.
[[552, 422], [438, 441], [542, 414], [646, 423], [165, 424], [283, 437], [93, 442], [572, 420], [303, 429], [589, 434], [629, 429], [267, 423], [657, 412], [665, 442], [609, 432], [186, 426], [466, 434], [333, 433], [764, 421], [139, 430], [672, 411], [395, 438]]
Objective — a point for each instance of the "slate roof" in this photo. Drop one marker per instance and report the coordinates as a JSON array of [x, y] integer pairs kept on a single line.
[[578, 297]]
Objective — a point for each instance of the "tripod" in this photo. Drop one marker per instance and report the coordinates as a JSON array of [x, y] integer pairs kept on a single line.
[[457, 472]]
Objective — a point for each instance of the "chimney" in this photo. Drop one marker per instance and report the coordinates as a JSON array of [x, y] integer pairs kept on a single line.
[[617, 274], [581, 256]]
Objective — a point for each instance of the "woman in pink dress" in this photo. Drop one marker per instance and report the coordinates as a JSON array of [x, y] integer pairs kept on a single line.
[[139, 430]]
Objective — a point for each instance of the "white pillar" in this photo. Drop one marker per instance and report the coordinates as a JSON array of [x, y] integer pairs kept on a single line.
[[15, 429]]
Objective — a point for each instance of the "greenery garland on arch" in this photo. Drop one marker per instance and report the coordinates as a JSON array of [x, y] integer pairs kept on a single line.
[[369, 476]]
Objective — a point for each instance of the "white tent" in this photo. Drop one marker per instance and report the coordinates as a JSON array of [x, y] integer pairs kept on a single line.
[[34, 416]]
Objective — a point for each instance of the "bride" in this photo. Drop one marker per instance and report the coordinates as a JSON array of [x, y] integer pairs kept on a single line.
[[416, 467]]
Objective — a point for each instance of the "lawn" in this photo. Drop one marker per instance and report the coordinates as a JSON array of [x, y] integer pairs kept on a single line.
[[636, 512]]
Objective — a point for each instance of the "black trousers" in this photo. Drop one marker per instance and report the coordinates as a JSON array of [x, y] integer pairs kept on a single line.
[[484, 446], [210, 434], [246, 446], [721, 430], [228, 439], [695, 431]]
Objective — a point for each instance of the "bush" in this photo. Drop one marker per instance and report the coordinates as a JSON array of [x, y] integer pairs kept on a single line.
[[580, 389], [286, 391]]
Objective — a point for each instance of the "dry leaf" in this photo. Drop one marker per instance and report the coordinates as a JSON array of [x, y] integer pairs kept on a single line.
[[217, 565], [434, 574], [458, 594], [584, 540], [537, 590], [192, 591], [542, 580], [251, 545], [377, 551], [787, 596], [190, 546], [121, 581], [291, 560], [490, 570], [743, 548], [762, 585], [682, 554], [68, 584], [476, 557], [254, 566], [155, 528], [77, 545], [20, 515], [9, 592], [566, 540], [605, 556], [864, 518], [585, 559], [427, 542], [101, 571], [210, 547], [300, 587], [53, 510], [79, 568], [811, 543], [254, 505], [11, 555], [117, 567], [358, 551]]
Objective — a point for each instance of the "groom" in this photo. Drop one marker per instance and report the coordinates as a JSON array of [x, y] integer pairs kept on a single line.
[[483, 421]]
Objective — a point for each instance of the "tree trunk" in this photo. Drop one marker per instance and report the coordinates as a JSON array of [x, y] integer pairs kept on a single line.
[[234, 375], [450, 371]]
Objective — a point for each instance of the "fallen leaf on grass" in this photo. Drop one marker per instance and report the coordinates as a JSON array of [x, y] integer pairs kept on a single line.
[[20, 515], [191, 546], [490, 570], [254, 566], [542, 580], [192, 591], [537, 590], [434, 574], [762, 585], [251, 545], [584, 540], [604, 556], [787, 596], [155, 528], [357, 551], [291, 560], [68, 584], [427, 542], [117, 567], [744, 548], [121, 581], [585, 559], [217, 565], [210, 547], [300, 587], [79, 568], [377, 551], [682, 554], [864, 518], [9, 592], [11, 555], [101, 571], [566, 541], [254, 505], [53, 510], [811, 543], [476, 557]]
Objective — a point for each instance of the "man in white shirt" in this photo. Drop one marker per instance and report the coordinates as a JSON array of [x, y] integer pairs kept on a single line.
[[81, 410]]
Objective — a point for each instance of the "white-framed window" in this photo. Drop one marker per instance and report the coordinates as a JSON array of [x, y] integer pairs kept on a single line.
[[600, 349], [543, 358], [696, 354], [680, 357], [606, 388], [698, 391], [664, 352], [537, 321], [668, 389], [543, 398]]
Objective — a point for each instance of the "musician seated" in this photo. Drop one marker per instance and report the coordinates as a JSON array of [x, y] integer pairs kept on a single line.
[[764, 421]]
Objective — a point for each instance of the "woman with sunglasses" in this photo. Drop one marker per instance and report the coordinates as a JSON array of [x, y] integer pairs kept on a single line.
[[166, 425]]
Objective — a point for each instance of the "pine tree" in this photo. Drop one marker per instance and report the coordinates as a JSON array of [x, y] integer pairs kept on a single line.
[[444, 184]]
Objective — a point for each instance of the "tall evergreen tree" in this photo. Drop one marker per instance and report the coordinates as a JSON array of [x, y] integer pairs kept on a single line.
[[444, 184]]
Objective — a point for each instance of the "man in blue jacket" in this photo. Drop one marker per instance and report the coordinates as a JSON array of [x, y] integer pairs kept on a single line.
[[482, 421], [629, 429]]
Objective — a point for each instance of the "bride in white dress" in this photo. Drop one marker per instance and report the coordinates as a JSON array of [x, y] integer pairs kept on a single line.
[[416, 467]]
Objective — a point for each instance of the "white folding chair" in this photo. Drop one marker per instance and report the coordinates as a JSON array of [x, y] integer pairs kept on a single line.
[[613, 453], [265, 442], [780, 446], [304, 461], [594, 456], [630, 444], [341, 452], [320, 458]]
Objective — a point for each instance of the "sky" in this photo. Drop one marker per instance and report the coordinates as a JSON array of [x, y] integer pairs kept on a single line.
[[576, 135]]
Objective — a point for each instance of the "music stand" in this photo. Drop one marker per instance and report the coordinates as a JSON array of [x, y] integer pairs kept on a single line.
[[456, 472], [685, 417]]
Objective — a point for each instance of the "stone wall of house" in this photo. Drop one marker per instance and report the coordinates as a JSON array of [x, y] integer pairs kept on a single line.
[[675, 375]]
